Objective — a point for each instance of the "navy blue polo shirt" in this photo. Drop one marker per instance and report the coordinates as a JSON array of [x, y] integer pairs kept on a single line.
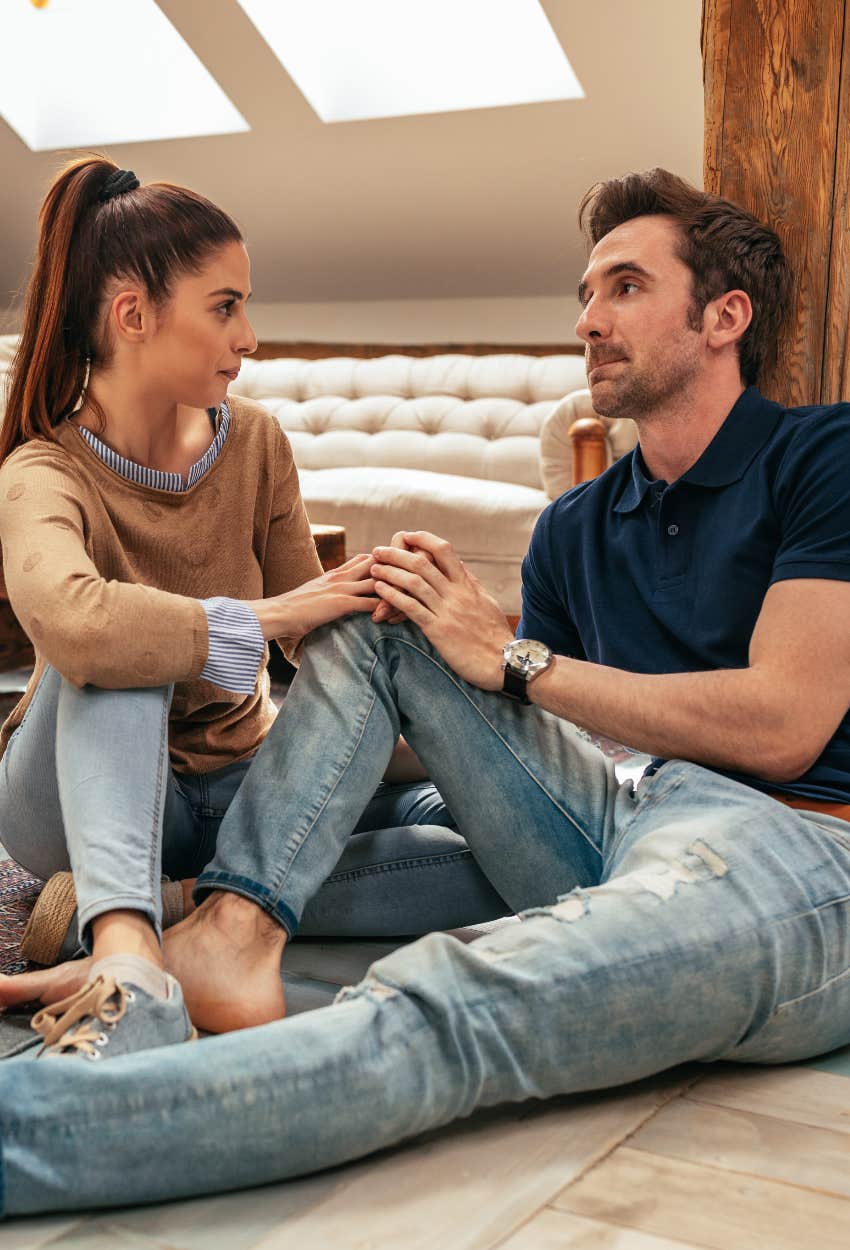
[[657, 577]]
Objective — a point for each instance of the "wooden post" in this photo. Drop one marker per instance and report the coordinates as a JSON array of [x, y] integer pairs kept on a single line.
[[590, 448], [777, 115]]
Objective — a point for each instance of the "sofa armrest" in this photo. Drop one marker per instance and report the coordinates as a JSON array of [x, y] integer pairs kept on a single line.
[[556, 447], [559, 467], [8, 347]]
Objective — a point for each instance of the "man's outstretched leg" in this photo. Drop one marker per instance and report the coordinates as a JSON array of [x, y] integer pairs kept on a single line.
[[700, 944]]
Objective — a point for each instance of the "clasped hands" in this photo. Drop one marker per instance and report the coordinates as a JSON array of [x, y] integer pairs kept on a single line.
[[419, 577]]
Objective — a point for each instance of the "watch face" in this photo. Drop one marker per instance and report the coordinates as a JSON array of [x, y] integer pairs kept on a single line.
[[532, 652], [526, 655]]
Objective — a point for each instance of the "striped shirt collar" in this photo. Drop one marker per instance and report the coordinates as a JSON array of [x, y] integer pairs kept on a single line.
[[158, 478]]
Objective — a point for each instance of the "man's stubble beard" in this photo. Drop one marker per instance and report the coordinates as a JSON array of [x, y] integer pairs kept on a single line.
[[641, 394]]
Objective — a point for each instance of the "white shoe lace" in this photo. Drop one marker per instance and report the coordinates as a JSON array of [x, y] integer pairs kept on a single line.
[[81, 1022]]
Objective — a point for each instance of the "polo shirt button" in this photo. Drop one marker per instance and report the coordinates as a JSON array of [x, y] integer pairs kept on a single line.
[[672, 530]]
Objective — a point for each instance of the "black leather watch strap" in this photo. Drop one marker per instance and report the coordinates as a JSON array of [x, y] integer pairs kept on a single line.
[[514, 686]]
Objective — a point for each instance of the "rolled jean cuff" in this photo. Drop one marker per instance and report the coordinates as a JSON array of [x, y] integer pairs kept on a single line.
[[255, 893], [117, 902]]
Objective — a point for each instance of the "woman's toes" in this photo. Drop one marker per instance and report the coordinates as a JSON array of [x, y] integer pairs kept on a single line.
[[24, 988], [46, 985]]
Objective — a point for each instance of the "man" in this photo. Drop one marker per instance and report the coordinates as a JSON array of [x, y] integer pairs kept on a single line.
[[703, 914]]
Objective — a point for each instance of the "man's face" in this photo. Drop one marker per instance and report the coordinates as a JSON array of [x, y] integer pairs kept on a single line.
[[641, 349]]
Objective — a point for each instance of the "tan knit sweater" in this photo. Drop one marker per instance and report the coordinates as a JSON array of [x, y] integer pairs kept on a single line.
[[106, 575]]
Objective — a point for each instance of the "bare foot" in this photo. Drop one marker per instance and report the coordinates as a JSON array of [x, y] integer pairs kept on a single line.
[[46, 985], [226, 956], [187, 885]]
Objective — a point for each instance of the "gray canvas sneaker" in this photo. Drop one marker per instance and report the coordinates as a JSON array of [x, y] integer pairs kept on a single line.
[[107, 1018]]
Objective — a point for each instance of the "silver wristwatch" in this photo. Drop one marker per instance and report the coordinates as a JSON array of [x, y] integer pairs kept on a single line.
[[523, 659]]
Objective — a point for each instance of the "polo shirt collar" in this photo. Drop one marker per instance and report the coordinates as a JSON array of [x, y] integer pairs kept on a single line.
[[636, 485], [738, 441], [726, 458]]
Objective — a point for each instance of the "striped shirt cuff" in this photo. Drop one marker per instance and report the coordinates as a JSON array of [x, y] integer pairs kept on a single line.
[[236, 645]]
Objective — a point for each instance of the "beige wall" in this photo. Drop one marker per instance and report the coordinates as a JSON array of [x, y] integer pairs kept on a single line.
[[540, 319], [533, 319]]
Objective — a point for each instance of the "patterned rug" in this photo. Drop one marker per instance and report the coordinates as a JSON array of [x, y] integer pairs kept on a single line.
[[18, 892]]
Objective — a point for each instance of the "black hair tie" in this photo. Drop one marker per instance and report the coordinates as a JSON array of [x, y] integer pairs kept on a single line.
[[117, 183]]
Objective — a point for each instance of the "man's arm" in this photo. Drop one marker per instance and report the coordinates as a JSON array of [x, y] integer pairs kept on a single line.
[[771, 719]]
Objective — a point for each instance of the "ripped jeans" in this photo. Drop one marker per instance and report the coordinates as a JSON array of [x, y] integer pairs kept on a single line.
[[687, 918]]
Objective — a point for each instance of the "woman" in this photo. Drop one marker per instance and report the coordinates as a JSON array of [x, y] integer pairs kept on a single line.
[[154, 540]]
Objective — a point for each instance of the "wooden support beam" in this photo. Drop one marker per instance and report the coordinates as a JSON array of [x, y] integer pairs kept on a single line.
[[777, 116], [836, 359]]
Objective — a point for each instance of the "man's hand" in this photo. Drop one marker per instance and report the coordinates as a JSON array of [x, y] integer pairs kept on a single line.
[[383, 612], [426, 581]]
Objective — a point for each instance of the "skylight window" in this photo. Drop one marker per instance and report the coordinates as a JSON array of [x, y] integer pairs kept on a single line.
[[358, 59], [81, 73]]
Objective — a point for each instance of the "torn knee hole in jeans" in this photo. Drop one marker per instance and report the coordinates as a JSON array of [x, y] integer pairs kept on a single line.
[[370, 986], [698, 863]]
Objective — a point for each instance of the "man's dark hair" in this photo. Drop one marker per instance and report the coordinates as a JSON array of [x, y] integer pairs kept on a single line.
[[724, 246]]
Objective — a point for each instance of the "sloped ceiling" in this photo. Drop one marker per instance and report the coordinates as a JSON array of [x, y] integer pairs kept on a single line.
[[471, 204]]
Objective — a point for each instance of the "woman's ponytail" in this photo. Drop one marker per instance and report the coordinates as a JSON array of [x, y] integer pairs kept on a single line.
[[47, 373]]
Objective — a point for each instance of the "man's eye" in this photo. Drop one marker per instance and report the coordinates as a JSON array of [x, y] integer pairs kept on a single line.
[[225, 307], [628, 287]]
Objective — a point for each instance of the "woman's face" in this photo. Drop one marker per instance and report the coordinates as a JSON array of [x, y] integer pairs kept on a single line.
[[203, 332]]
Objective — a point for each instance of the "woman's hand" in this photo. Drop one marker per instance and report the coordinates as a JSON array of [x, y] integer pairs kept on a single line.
[[350, 588]]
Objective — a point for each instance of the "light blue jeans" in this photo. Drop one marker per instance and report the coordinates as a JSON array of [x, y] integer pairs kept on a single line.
[[86, 784], [689, 918]]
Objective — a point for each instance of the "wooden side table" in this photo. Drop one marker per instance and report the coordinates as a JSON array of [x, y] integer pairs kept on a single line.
[[15, 648], [330, 544]]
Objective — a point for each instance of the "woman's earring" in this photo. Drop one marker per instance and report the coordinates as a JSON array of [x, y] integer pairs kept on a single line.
[[85, 386]]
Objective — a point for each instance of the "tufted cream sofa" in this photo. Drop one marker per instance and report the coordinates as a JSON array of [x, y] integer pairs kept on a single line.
[[470, 447]]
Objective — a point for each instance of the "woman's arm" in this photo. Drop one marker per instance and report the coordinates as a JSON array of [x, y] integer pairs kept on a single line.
[[92, 630]]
